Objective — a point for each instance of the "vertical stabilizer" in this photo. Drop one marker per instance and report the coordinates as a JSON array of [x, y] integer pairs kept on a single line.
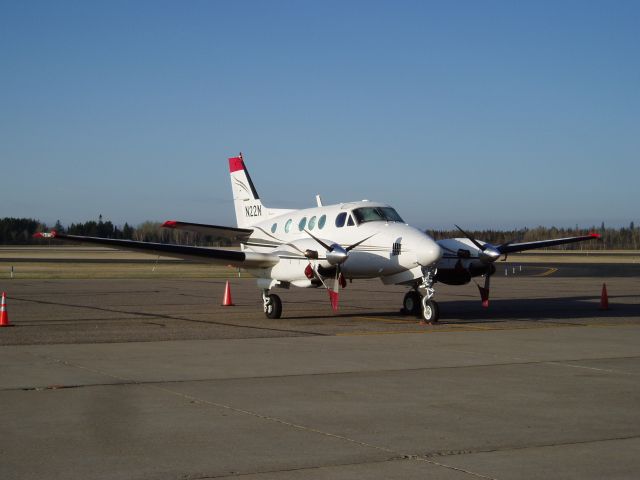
[[249, 208]]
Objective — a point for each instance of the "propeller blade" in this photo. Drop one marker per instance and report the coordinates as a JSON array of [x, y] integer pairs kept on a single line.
[[334, 294], [333, 297], [475, 242], [328, 248], [484, 291], [351, 247]]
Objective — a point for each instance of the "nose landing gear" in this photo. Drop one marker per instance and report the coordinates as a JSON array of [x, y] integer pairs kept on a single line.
[[430, 310], [423, 305]]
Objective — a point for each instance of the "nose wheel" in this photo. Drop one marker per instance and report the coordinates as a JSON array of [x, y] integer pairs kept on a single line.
[[430, 310]]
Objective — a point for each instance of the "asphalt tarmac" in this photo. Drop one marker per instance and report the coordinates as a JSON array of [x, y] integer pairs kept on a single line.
[[154, 379]]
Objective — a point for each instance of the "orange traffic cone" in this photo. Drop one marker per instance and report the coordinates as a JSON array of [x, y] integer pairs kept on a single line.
[[4, 316], [604, 298], [226, 301]]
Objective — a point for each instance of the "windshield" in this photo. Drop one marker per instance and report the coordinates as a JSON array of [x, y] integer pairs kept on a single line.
[[376, 214]]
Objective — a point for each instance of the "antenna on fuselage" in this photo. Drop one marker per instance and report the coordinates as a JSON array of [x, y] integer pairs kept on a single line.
[[319, 201]]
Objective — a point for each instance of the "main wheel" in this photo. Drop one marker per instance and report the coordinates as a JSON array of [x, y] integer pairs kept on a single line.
[[273, 308], [430, 311], [411, 303]]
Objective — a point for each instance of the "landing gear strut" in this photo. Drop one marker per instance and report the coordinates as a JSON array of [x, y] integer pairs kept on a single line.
[[430, 310], [272, 304]]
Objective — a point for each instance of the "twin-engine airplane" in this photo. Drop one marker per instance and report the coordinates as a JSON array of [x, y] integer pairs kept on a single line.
[[325, 245]]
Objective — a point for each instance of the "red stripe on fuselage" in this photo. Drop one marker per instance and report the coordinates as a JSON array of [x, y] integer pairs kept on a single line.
[[235, 164]]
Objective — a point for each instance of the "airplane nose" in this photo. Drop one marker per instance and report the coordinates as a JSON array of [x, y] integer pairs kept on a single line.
[[429, 252]]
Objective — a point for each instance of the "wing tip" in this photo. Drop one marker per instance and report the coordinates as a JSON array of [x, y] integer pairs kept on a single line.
[[51, 234], [170, 224], [595, 235]]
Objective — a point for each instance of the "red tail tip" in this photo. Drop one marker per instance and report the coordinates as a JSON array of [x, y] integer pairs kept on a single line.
[[235, 164]]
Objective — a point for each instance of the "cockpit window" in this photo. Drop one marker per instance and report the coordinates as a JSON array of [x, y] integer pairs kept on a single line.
[[376, 214]]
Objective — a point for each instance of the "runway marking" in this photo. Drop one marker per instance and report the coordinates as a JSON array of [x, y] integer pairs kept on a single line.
[[549, 271], [385, 320], [445, 328], [606, 370]]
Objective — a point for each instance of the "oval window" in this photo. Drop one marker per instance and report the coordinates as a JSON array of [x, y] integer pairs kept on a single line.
[[274, 227], [312, 222], [287, 226], [322, 221], [302, 223], [340, 219]]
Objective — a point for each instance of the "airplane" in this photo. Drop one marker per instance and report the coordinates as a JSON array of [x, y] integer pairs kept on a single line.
[[325, 245]]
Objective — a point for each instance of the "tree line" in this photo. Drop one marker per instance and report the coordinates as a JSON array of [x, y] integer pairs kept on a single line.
[[625, 238], [19, 231]]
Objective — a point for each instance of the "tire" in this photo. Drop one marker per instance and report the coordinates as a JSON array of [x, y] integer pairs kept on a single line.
[[274, 307], [411, 303], [431, 311]]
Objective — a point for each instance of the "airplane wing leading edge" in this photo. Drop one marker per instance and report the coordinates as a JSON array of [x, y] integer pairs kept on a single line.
[[213, 230], [521, 247], [213, 255]]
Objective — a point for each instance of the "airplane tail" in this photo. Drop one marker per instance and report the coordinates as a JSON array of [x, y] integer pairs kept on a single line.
[[249, 208]]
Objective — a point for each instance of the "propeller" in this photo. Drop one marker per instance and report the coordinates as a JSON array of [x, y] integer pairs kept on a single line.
[[336, 255], [487, 254]]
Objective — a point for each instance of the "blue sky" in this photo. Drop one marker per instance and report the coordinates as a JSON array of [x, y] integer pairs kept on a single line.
[[485, 114]]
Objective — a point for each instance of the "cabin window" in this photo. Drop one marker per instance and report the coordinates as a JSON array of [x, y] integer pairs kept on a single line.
[[340, 219], [302, 223], [274, 227], [312, 222], [350, 223], [287, 226], [322, 221]]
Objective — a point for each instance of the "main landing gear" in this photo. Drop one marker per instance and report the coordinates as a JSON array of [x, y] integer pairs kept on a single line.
[[423, 305], [272, 304]]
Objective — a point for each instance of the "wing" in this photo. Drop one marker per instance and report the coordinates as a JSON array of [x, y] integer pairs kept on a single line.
[[521, 247], [213, 230], [213, 255], [459, 247]]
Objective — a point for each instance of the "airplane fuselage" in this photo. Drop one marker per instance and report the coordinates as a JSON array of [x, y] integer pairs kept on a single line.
[[391, 250]]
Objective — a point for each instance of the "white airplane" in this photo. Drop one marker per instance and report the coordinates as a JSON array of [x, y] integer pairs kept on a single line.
[[327, 244]]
